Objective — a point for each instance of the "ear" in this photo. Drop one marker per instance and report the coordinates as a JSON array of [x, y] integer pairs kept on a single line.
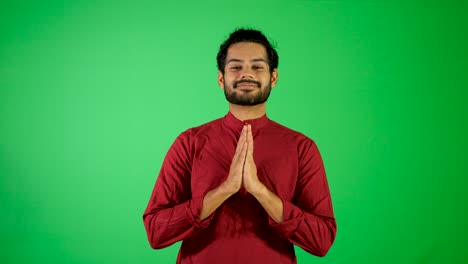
[[274, 78], [221, 80]]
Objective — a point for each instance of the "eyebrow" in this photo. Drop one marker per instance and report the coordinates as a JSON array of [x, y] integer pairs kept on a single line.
[[239, 60]]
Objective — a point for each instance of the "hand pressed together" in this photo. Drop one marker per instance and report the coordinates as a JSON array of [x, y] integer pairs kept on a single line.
[[243, 171]]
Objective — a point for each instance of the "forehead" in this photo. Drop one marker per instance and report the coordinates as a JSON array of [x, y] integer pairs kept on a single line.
[[246, 51]]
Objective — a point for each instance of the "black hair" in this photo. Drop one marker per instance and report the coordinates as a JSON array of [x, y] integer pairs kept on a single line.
[[247, 35]]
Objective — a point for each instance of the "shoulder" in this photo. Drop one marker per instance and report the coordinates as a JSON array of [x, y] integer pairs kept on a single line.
[[195, 136], [303, 144], [202, 130], [188, 143], [287, 133]]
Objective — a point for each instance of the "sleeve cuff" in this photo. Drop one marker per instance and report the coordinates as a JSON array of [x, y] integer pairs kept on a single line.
[[193, 213], [292, 217]]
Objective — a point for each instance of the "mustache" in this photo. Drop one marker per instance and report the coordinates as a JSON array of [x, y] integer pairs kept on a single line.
[[246, 81]]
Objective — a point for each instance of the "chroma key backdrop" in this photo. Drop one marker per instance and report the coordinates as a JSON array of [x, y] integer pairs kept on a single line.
[[93, 93]]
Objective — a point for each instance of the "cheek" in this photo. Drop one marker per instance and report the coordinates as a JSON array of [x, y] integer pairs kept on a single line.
[[230, 78], [264, 78]]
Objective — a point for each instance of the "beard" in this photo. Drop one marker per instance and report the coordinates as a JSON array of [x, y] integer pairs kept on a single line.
[[247, 98]]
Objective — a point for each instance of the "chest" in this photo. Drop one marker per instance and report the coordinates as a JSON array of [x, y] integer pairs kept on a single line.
[[276, 161]]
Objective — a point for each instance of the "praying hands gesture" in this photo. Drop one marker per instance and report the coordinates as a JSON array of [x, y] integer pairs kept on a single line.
[[243, 172]]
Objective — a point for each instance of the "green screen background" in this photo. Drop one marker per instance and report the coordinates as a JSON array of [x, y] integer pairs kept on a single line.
[[93, 93]]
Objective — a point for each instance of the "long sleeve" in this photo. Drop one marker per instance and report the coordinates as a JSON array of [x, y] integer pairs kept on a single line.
[[172, 213], [309, 220]]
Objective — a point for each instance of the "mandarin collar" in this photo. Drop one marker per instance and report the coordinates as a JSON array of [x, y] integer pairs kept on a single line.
[[232, 122]]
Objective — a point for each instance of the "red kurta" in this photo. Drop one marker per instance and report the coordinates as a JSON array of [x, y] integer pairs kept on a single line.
[[240, 230]]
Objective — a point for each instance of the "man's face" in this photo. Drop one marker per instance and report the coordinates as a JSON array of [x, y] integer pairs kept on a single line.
[[247, 79]]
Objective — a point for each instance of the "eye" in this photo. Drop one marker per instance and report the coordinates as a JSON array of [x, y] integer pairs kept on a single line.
[[257, 67], [236, 68]]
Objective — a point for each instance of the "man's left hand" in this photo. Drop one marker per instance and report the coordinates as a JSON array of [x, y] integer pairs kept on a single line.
[[250, 179]]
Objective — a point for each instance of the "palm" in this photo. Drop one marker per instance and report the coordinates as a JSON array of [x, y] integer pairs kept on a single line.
[[250, 179]]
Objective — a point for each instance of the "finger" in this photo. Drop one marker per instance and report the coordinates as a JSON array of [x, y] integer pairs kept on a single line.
[[243, 153], [239, 160], [241, 144], [242, 136], [250, 140]]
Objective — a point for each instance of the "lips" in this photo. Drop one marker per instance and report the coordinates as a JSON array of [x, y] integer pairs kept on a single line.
[[247, 85]]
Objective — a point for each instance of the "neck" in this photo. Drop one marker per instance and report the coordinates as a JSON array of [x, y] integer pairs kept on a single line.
[[246, 112]]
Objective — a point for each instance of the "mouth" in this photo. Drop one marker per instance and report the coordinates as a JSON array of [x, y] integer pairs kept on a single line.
[[247, 85]]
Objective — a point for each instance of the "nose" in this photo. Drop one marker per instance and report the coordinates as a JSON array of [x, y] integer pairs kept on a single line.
[[247, 73]]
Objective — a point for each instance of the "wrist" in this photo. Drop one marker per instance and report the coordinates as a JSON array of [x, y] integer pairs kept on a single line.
[[258, 190], [227, 188]]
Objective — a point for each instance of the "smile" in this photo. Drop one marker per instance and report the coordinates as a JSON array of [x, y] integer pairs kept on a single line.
[[247, 85]]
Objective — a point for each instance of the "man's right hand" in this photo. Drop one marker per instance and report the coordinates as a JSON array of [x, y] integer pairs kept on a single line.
[[214, 198], [234, 181]]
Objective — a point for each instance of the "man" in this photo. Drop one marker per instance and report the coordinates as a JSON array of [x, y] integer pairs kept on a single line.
[[242, 188]]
